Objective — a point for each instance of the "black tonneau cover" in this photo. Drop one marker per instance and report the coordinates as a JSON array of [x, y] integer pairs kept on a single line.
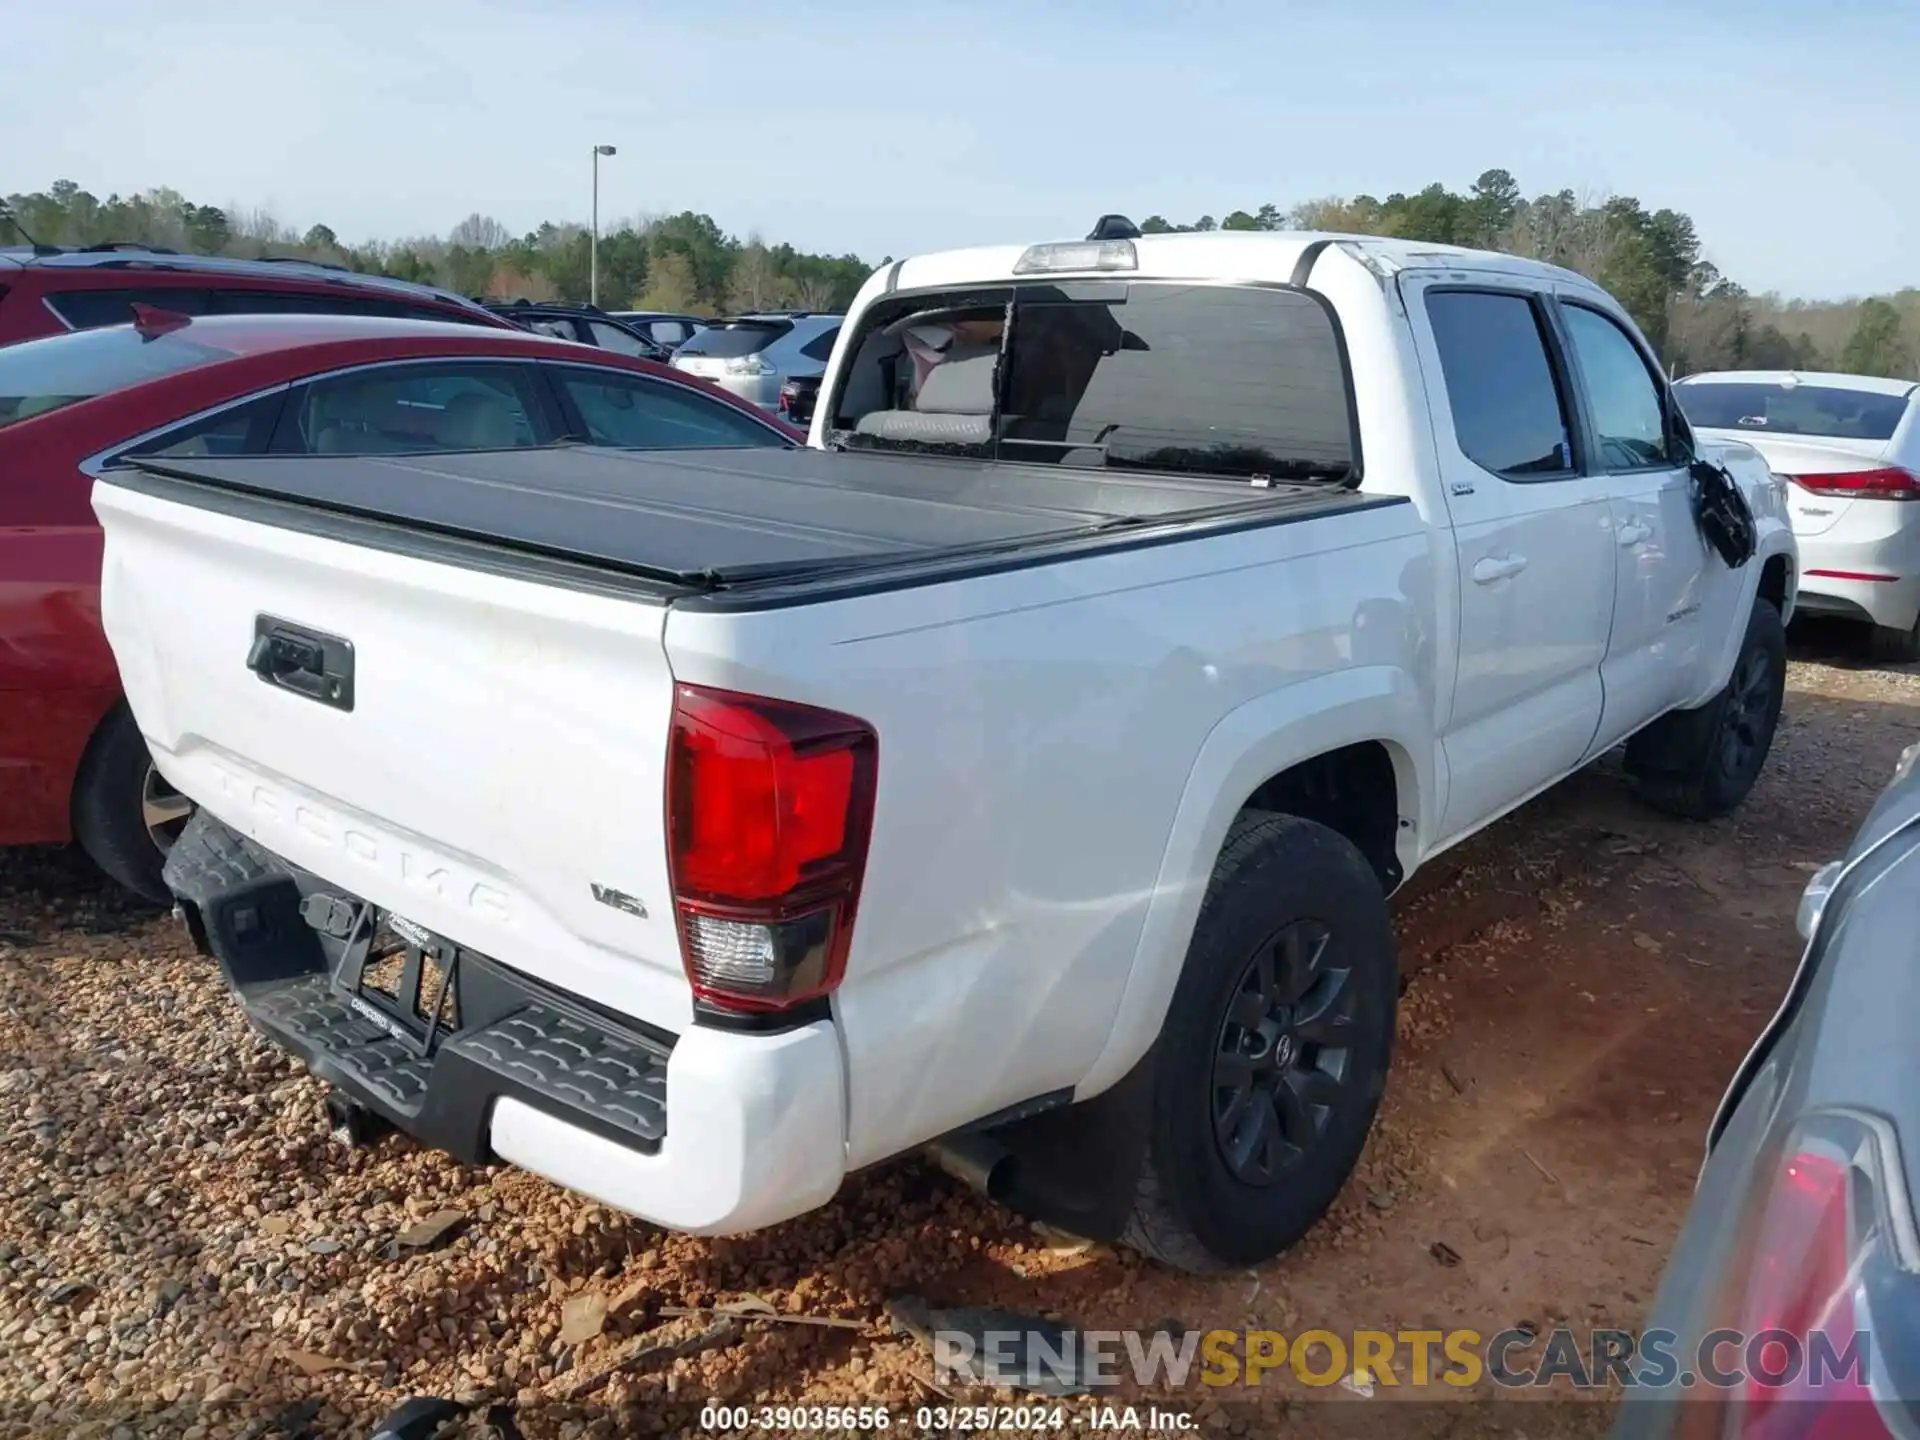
[[713, 518]]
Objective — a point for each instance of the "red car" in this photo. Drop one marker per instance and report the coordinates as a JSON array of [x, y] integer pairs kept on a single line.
[[50, 289], [72, 763]]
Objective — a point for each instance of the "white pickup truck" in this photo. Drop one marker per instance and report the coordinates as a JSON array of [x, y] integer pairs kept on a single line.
[[1019, 771]]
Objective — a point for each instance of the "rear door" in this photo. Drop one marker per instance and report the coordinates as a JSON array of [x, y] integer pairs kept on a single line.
[[1532, 535], [1661, 606]]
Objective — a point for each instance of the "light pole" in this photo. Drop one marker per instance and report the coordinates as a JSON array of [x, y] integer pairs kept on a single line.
[[593, 245]]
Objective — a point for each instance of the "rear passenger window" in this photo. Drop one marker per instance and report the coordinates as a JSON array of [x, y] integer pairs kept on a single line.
[[646, 414], [310, 302], [91, 309], [289, 302], [612, 337], [1508, 414], [237, 430], [1627, 410], [559, 327], [412, 410], [821, 346]]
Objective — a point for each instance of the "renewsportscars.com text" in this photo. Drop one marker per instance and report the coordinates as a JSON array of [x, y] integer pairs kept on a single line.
[[1416, 1359]]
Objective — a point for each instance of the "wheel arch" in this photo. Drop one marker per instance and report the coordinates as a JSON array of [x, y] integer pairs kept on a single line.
[[1773, 574], [1354, 727]]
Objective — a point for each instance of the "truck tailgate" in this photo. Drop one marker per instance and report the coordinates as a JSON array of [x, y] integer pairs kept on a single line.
[[469, 693]]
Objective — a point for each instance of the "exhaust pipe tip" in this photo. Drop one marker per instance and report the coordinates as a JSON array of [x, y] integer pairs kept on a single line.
[[979, 1162]]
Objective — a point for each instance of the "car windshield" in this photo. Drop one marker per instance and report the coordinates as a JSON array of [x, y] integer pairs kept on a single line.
[[1207, 379], [1789, 408], [731, 338], [37, 376]]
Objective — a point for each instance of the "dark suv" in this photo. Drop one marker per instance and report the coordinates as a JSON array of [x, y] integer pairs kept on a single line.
[[587, 324], [46, 289]]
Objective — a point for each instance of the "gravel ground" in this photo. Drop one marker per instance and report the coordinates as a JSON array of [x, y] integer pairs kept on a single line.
[[184, 1251]]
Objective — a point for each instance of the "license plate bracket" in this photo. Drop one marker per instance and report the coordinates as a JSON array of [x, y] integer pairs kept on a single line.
[[415, 1012]]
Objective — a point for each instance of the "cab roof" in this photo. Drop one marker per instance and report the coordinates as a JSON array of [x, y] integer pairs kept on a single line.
[[1218, 254]]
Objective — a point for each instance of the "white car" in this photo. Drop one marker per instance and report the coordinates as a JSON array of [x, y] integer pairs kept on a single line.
[[754, 355], [1023, 771], [1850, 445]]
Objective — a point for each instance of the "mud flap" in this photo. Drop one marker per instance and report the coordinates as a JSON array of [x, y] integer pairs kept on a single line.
[[1676, 743], [1075, 1168]]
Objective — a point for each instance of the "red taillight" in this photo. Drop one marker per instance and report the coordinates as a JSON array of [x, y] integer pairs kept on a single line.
[[1887, 482], [769, 809], [1799, 1270]]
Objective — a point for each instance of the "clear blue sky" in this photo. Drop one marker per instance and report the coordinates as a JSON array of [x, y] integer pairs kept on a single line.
[[1789, 130]]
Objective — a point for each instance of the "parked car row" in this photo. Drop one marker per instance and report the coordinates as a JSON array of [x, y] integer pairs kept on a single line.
[[584, 324], [773, 359]]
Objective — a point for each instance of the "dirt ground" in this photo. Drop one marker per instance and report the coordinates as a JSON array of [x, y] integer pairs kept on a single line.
[[184, 1252]]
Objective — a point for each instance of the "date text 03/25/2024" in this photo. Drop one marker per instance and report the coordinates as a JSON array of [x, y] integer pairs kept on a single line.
[[939, 1419]]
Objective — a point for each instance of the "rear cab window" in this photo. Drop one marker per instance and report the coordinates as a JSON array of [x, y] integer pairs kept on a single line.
[[1236, 381], [38, 376]]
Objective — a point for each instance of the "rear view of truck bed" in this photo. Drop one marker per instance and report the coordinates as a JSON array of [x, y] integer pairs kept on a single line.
[[434, 694]]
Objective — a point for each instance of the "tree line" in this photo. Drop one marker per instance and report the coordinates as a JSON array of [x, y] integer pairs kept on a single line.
[[1698, 318], [683, 262], [1651, 261]]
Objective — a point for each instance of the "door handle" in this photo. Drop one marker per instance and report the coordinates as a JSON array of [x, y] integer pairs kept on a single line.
[[1634, 534], [310, 663], [1500, 567]]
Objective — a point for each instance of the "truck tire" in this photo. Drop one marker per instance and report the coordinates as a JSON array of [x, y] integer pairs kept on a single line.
[[1888, 646], [125, 815], [1275, 1049], [1701, 763]]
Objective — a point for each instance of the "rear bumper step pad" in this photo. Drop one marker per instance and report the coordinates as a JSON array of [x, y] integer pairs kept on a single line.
[[513, 1038]]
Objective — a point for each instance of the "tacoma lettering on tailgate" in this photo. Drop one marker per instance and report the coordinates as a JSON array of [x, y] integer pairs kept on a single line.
[[274, 809]]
